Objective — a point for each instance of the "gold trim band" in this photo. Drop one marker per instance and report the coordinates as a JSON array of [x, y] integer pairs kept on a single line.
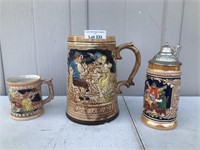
[[159, 125], [163, 67]]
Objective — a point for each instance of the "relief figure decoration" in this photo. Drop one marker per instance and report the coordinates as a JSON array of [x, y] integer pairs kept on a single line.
[[24, 100], [157, 97], [92, 77]]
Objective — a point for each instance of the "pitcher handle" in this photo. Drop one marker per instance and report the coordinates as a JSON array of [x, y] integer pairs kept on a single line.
[[128, 82], [51, 91]]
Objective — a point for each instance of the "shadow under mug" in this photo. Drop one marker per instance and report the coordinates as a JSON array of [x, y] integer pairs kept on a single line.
[[26, 97]]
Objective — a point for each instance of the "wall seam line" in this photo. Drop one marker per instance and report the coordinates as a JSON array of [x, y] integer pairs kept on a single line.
[[35, 43], [125, 21], [163, 33], [1, 55], [70, 18], [181, 28], [87, 17], [3, 73]]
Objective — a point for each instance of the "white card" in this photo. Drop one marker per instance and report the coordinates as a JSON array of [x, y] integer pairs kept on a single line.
[[95, 34]]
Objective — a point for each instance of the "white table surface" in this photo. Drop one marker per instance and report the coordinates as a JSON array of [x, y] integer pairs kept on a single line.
[[54, 131]]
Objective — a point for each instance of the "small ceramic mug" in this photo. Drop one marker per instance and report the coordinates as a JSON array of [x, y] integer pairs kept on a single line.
[[25, 96]]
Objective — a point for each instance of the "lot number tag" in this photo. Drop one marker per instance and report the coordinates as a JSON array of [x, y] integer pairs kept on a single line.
[[95, 34]]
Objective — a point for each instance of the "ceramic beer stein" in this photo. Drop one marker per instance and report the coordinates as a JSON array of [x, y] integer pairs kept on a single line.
[[162, 89], [26, 97], [92, 86]]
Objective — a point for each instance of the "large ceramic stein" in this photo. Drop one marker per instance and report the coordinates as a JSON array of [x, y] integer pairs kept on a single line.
[[92, 85], [162, 89]]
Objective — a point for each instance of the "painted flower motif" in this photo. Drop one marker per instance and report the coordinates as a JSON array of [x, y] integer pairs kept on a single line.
[[27, 105], [13, 92]]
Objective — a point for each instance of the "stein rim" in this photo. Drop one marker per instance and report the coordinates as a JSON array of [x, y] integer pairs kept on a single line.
[[83, 39], [22, 79]]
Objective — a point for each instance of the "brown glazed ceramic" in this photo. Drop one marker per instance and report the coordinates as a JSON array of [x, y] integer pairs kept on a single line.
[[92, 85], [25, 96], [162, 89]]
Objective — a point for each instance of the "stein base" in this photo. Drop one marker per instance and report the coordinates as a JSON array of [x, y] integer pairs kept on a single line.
[[158, 125], [92, 122], [28, 117]]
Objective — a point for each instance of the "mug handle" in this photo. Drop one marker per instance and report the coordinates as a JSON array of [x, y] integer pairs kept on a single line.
[[51, 91], [128, 82]]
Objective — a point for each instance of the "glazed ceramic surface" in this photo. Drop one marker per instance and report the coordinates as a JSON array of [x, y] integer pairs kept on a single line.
[[162, 90], [92, 85], [26, 97]]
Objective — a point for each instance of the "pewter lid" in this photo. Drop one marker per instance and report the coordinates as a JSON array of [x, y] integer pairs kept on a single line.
[[167, 56]]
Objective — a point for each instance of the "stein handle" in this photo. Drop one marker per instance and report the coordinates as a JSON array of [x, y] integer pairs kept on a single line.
[[128, 82], [51, 91]]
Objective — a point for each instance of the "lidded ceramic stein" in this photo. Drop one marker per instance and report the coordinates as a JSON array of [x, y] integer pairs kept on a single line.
[[92, 85], [162, 89]]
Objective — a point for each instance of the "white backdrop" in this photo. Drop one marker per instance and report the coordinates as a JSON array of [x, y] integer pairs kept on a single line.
[[33, 36]]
